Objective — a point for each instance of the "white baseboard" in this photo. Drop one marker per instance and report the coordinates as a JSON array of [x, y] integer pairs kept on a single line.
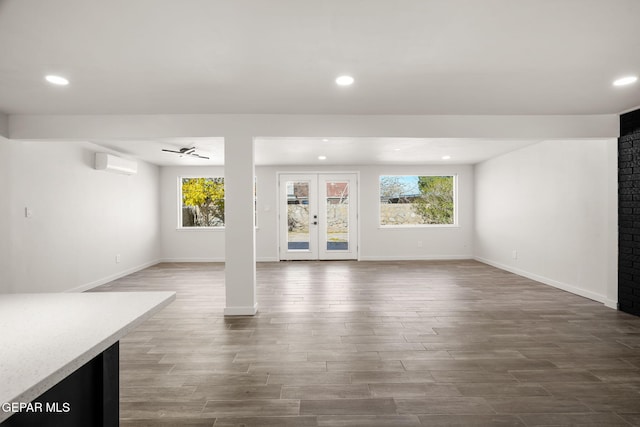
[[416, 258], [260, 259], [611, 304], [192, 260], [241, 311], [556, 284], [112, 277]]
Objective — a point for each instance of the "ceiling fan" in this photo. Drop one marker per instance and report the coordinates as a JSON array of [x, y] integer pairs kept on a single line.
[[186, 151]]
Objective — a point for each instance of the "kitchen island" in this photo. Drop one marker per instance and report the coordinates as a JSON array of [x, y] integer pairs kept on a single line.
[[59, 354]]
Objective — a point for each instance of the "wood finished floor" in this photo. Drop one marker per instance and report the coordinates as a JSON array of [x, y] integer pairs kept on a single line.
[[373, 344]]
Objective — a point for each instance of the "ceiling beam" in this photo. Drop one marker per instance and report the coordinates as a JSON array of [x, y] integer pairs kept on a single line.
[[87, 127]]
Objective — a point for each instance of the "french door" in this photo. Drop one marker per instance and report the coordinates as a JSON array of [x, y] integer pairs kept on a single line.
[[318, 216]]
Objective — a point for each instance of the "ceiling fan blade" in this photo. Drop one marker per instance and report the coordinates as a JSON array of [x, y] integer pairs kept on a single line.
[[187, 151]]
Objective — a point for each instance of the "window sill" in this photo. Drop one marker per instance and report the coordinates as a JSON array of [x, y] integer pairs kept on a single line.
[[207, 229], [413, 227]]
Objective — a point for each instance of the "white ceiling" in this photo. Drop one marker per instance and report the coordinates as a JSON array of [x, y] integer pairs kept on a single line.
[[338, 151], [480, 57], [375, 151], [281, 56]]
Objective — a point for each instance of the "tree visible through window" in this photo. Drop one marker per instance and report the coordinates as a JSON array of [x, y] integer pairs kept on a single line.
[[417, 200], [202, 202]]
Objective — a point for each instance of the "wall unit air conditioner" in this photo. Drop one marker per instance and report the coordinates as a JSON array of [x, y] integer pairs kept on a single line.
[[111, 163]]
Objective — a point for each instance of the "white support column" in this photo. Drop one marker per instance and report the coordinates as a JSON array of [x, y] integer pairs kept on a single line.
[[240, 236], [612, 224]]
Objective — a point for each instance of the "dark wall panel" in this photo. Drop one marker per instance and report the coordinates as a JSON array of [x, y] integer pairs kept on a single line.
[[629, 213]]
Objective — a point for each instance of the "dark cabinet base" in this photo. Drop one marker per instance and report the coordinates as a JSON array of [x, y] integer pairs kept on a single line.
[[87, 397]]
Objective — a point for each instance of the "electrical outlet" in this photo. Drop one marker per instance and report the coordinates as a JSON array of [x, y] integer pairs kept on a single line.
[[118, 259], [419, 243], [28, 213], [514, 254]]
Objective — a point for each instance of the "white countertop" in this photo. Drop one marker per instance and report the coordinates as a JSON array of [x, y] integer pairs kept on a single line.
[[46, 337]]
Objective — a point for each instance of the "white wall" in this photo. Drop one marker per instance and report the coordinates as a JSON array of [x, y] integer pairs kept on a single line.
[[375, 243], [81, 218], [555, 203], [5, 225], [186, 245], [378, 243], [437, 242], [267, 211]]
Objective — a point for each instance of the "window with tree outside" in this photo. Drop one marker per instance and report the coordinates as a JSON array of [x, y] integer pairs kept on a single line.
[[202, 202], [415, 200]]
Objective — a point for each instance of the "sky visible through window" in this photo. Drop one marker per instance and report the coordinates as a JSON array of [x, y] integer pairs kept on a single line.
[[409, 184]]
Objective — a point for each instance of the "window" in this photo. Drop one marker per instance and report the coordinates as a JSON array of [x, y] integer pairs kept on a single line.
[[202, 202], [413, 200]]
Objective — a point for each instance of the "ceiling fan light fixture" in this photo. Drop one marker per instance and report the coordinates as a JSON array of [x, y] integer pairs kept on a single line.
[[186, 151]]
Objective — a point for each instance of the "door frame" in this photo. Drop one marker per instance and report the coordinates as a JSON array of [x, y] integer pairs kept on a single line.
[[279, 212]]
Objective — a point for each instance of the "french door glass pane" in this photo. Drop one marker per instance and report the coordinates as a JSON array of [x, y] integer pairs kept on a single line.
[[337, 216], [298, 215]]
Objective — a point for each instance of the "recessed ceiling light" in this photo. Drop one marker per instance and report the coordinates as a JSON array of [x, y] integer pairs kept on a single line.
[[396, 149], [344, 81], [322, 157], [623, 81], [56, 80], [446, 157], [325, 140]]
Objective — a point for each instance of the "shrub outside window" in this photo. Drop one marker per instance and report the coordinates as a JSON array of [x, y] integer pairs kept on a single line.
[[417, 200], [202, 202]]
